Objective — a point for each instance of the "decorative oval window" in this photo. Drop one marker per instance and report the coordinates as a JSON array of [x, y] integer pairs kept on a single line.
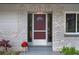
[[39, 19]]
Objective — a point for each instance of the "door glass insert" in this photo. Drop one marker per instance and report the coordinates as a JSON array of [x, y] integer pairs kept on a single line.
[[39, 22], [39, 35]]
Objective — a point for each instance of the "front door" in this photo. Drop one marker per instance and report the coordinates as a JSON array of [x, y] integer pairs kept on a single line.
[[39, 29]]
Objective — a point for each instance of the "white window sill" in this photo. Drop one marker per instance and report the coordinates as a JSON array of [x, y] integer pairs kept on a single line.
[[71, 33]]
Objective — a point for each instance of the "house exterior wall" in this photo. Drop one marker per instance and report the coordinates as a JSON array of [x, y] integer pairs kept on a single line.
[[58, 28], [71, 40], [60, 38], [13, 23]]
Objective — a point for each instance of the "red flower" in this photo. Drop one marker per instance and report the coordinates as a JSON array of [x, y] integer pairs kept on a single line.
[[24, 44]]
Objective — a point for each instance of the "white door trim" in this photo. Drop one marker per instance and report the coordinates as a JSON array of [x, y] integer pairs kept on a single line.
[[39, 42]]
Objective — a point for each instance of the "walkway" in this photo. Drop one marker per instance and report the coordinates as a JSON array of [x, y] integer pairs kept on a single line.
[[40, 50]]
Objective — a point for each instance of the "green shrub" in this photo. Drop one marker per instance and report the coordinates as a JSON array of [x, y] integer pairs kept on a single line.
[[72, 50], [69, 51]]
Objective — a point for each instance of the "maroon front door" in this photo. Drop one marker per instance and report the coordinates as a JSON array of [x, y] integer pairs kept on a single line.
[[39, 29]]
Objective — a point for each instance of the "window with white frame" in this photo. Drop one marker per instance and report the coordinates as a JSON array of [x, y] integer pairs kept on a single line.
[[72, 22]]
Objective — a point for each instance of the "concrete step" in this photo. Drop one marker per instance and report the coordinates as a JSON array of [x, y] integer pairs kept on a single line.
[[40, 50]]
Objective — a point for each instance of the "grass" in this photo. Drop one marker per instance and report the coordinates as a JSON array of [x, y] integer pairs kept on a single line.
[[9, 53]]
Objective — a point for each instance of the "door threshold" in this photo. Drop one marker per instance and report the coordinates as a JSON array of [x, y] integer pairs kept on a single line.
[[48, 44]]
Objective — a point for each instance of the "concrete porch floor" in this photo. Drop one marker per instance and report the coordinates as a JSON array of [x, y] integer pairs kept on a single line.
[[40, 50]]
